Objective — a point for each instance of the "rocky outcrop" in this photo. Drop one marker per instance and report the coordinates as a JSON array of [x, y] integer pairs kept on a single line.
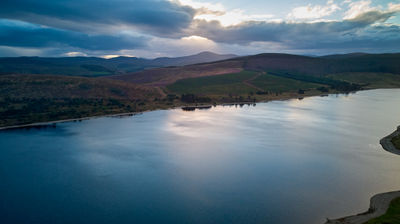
[[387, 144]]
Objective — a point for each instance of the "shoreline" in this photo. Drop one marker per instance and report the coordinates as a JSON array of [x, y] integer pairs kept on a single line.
[[45, 123], [379, 203]]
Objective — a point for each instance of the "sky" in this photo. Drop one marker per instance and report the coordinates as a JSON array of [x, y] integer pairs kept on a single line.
[[159, 28]]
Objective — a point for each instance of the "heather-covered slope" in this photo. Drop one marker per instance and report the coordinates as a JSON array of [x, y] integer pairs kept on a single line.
[[289, 66]]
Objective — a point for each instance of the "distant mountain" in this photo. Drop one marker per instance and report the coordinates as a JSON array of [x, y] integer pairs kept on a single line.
[[168, 75], [202, 57], [342, 56], [94, 67]]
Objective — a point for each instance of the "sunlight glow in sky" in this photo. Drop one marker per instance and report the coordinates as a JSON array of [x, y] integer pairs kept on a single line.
[[154, 28]]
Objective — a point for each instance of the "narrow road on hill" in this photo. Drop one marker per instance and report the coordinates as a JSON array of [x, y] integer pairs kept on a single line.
[[248, 81], [161, 91]]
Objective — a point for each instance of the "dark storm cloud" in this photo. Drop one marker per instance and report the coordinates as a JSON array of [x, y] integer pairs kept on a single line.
[[288, 33], [94, 26], [18, 34], [372, 38], [160, 17]]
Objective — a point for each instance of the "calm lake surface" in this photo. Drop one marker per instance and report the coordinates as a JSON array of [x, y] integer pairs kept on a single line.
[[296, 161]]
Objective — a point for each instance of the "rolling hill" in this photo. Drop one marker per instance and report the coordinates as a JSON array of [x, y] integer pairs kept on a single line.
[[27, 98], [310, 69], [386, 63], [169, 75]]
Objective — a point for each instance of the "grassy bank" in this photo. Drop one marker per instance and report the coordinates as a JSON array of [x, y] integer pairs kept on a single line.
[[392, 216], [214, 85]]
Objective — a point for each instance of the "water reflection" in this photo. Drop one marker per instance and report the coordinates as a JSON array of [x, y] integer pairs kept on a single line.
[[226, 164]]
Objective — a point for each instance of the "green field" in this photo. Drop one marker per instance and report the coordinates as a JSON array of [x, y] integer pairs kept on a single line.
[[241, 83], [392, 216], [372, 80], [215, 85], [274, 83]]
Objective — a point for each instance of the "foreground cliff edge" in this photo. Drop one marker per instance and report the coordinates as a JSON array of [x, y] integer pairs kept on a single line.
[[379, 203]]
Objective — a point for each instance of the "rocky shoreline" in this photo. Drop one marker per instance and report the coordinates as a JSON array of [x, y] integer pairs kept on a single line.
[[379, 203]]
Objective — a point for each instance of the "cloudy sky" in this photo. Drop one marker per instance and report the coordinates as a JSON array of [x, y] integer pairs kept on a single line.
[[154, 28]]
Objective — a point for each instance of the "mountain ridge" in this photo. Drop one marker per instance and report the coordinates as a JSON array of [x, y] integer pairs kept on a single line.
[[96, 66]]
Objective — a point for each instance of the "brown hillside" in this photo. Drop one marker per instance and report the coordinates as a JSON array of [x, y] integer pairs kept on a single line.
[[51, 86], [165, 76]]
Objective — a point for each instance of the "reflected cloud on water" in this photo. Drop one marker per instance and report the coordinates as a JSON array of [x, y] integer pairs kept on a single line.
[[227, 163]]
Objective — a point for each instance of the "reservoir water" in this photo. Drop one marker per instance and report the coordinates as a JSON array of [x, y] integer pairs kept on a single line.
[[295, 161]]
